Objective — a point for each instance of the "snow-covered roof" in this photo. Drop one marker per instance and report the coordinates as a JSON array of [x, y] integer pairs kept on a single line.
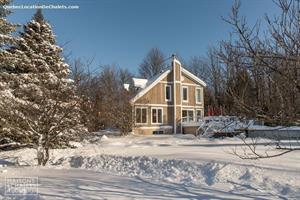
[[192, 76], [139, 82], [149, 84], [126, 86], [146, 85]]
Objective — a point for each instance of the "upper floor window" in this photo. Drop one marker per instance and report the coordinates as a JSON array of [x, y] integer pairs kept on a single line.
[[185, 93], [140, 115], [198, 95], [168, 93], [157, 116]]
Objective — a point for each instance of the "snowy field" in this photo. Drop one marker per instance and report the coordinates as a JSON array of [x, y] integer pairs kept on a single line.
[[155, 167]]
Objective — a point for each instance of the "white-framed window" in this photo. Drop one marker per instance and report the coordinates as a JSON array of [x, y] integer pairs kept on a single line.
[[198, 95], [187, 115], [157, 115], [168, 93], [141, 115], [198, 115], [185, 93]]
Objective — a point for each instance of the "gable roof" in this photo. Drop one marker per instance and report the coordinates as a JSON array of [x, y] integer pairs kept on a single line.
[[153, 81], [192, 76], [150, 84]]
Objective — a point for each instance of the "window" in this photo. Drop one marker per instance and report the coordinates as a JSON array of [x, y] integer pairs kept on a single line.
[[157, 115], [184, 93], [158, 132], [187, 115], [141, 115], [198, 95], [168, 95], [198, 115]]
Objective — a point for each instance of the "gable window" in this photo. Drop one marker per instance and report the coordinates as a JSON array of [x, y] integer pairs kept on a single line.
[[198, 95], [140, 115], [187, 115], [185, 94], [168, 94], [198, 115], [157, 115]]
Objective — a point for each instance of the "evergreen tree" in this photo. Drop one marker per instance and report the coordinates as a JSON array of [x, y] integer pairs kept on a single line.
[[6, 40], [6, 28], [45, 110]]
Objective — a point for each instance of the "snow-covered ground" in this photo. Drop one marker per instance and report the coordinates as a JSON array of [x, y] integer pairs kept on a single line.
[[157, 167]]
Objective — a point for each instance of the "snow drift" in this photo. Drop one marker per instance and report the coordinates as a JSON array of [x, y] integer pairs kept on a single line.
[[185, 172]]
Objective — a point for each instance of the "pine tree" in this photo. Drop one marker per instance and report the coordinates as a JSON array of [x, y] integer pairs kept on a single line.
[[6, 40], [6, 28], [45, 109]]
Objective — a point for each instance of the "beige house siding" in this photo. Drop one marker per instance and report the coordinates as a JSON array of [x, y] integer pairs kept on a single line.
[[149, 131], [168, 78], [190, 130], [156, 98], [192, 85], [177, 71], [167, 113], [187, 80]]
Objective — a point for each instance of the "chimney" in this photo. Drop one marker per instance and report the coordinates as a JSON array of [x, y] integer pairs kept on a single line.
[[176, 69]]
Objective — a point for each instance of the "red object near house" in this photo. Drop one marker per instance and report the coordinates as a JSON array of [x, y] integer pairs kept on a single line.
[[214, 111]]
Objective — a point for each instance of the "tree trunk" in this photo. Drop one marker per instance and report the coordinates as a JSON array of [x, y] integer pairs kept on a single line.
[[42, 152], [43, 155]]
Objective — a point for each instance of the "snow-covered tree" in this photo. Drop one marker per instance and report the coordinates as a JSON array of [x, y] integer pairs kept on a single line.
[[6, 28], [6, 40], [43, 108]]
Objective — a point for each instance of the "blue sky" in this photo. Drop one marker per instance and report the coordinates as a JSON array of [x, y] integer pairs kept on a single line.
[[122, 31]]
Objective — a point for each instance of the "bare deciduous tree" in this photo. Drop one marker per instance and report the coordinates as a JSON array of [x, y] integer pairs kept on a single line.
[[107, 102], [152, 64], [263, 70], [258, 148], [211, 71]]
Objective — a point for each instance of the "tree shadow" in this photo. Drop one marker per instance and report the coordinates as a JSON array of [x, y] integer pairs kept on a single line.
[[83, 184]]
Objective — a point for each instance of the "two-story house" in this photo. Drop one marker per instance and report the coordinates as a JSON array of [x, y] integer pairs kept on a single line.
[[171, 102]]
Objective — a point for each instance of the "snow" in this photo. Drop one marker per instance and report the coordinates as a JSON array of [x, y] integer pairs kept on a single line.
[[104, 137], [75, 144], [208, 126], [281, 128], [83, 184], [139, 82], [126, 86], [157, 167]]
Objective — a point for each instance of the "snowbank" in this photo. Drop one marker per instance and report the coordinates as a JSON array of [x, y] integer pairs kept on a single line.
[[179, 159], [185, 172]]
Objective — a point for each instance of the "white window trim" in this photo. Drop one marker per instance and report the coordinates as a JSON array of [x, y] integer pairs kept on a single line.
[[189, 109], [196, 99], [168, 100], [187, 94], [201, 116], [162, 115], [141, 116]]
